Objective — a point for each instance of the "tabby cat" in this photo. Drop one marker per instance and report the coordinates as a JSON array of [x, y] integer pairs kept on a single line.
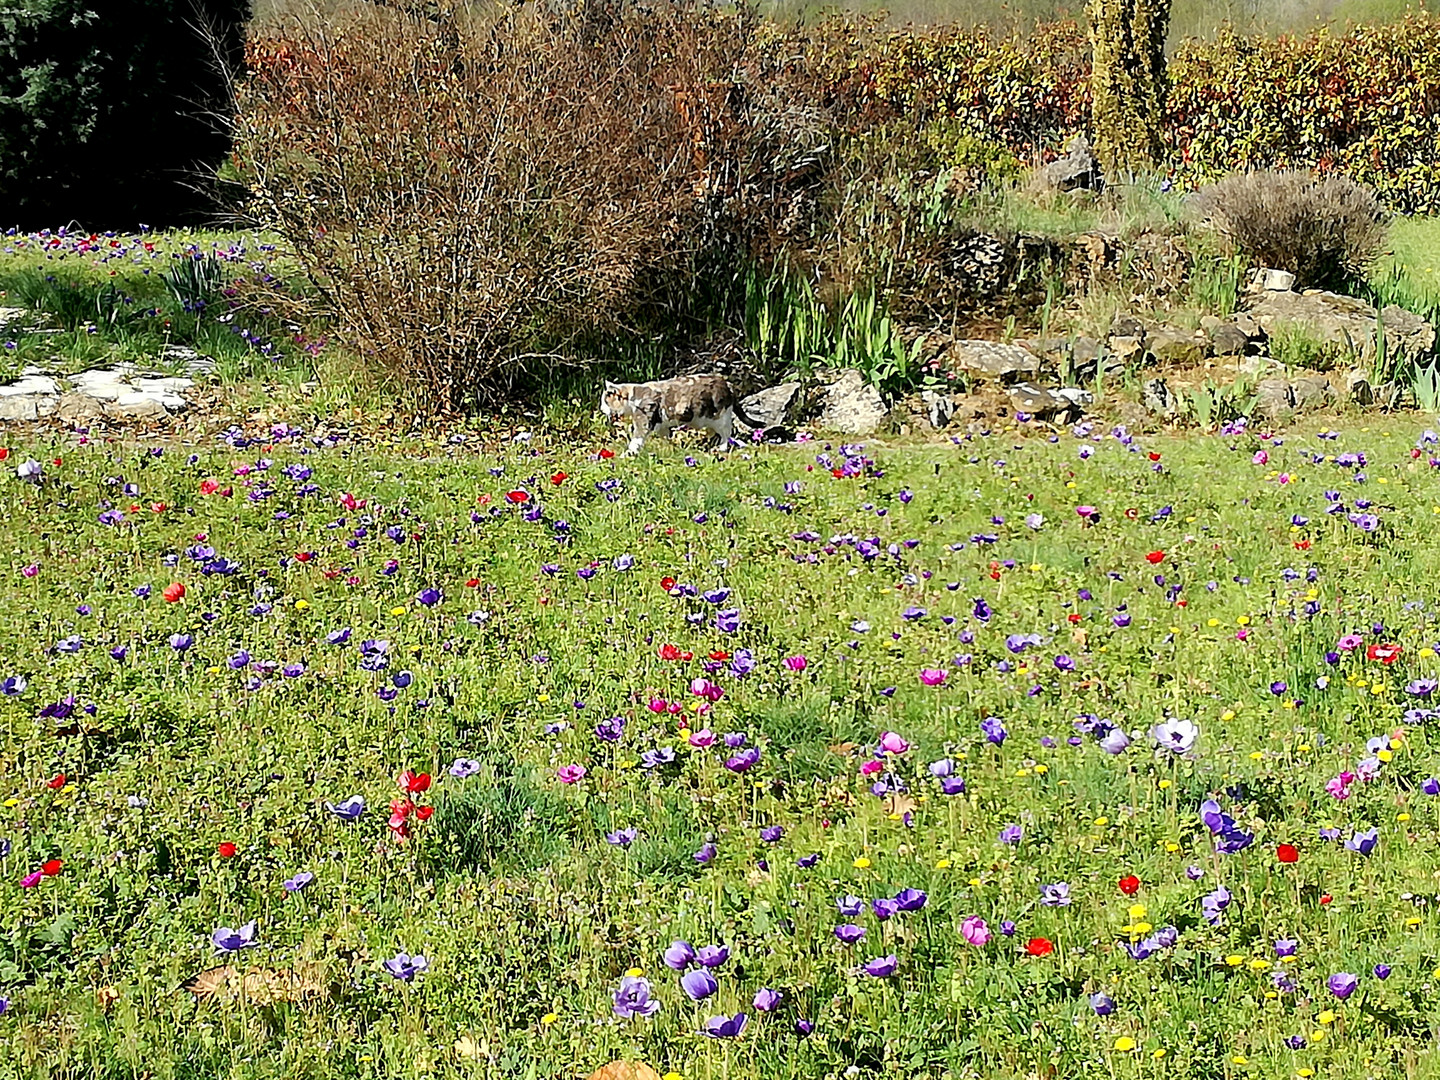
[[658, 408]]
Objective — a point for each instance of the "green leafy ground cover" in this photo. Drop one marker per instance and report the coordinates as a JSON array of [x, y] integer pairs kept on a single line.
[[1118, 747]]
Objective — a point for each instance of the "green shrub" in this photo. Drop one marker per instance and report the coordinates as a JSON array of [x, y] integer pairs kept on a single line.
[[115, 113]]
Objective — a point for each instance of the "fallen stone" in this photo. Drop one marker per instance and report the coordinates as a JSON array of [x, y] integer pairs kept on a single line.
[[1077, 169], [1158, 398], [1344, 325], [19, 407], [1227, 339], [103, 384], [135, 405], [771, 407], [1171, 345], [31, 384], [1274, 398], [939, 408], [1041, 403], [851, 407], [993, 360], [1254, 366], [1273, 280], [1312, 392]]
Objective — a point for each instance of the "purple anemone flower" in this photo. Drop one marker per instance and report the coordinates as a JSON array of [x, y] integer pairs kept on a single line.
[[226, 939], [632, 998], [725, 1027], [882, 967], [698, 984], [1342, 984], [405, 967]]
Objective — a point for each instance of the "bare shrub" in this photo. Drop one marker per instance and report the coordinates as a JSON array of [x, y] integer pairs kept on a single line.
[[1324, 230], [472, 194]]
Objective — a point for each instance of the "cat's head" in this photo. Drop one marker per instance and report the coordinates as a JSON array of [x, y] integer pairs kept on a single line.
[[615, 399]]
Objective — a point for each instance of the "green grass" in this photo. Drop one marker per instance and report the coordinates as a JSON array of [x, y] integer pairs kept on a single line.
[[1209, 575], [1415, 246], [124, 298]]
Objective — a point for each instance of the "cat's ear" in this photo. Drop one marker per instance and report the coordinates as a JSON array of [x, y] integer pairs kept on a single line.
[[609, 386]]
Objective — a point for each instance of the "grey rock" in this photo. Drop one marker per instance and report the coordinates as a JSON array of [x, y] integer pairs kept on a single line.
[[1272, 280], [1274, 398], [852, 408], [939, 408], [1171, 345], [31, 384], [19, 407], [1041, 403], [1227, 339], [1077, 169], [103, 384], [1344, 325], [1312, 392], [1358, 388], [79, 408], [773, 406], [1127, 326], [1255, 366], [1156, 396], [135, 405], [993, 360], [1127, 350]]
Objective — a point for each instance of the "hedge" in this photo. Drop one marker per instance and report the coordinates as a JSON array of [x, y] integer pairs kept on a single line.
[[1364, 100]]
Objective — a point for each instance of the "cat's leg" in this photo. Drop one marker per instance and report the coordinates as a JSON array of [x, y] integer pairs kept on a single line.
[[639, 426], [724, 427]]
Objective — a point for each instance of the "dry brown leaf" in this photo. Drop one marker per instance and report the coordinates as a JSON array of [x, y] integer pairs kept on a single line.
[[106, 996], [897, 805], [844, 749], [260, 986], [625, 1070]]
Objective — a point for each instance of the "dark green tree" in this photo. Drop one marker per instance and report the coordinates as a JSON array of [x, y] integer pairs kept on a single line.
[[113, 112]]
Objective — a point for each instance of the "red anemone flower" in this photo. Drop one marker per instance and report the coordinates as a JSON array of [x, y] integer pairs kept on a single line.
[[1287, 853], [517, 496], [1039, 946], [414, 783], [1155, 558], [56, 783], [51, 868], [174, 592], [1386, 654], [227, 850], [1130, 885]]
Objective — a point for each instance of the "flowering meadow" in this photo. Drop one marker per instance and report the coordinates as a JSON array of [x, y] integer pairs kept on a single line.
[[1009, 756]]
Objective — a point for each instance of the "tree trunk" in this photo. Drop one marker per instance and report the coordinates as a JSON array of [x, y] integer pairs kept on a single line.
[[1128, 83]]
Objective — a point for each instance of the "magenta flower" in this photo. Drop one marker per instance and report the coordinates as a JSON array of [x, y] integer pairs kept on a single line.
[[974, 930], [796, 663], [932, 676], [892, 743], [570, 774]]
